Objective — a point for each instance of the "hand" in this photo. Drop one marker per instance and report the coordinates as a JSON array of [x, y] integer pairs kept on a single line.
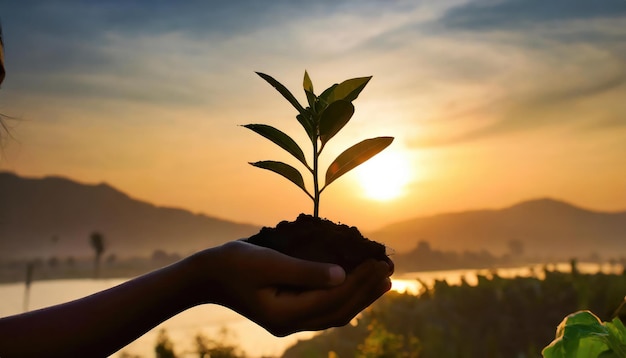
[[285, 295]]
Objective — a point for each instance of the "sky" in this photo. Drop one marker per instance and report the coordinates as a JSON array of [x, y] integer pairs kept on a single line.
[[490, 102]]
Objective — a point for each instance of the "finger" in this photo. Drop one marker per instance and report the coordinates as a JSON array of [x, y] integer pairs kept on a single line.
[[318, 303], [283, 270], [363, 294], [269, 267]]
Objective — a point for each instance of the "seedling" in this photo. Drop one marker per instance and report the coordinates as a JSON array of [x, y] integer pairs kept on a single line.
[[322, 119]]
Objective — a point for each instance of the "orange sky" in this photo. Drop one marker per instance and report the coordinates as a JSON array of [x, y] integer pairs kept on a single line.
[[490, 103]]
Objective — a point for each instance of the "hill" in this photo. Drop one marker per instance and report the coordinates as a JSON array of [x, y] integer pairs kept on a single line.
[[55, 216], [545, 228]]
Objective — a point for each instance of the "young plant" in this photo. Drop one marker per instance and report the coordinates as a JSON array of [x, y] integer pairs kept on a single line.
[[322, 119]]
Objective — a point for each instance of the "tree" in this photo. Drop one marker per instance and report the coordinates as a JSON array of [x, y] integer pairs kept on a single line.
[[96, 239], [164, 347]]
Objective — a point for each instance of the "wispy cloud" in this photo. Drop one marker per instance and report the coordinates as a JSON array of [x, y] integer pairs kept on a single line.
[[520, 14], [557, 64]]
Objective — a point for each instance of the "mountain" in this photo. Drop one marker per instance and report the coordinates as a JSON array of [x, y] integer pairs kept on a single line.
[[545, 228], [55, 216]]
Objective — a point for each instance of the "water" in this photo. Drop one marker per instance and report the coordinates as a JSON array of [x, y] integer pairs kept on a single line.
[[206, 319], [211, 319], [412, 282]]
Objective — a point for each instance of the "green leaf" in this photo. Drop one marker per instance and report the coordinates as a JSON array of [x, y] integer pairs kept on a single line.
[[580, 334], [279, 138], [334, 117], [286, 170], [327, 92], [617, 336], [308, 90], [307, 83], [322, 103], [348, 90], [307, 124], [355, 156], [283, 90]]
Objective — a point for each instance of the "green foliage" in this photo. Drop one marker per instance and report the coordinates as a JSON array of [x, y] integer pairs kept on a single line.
[[217, 347], [583, 334], [322, 119], [164, 347], [380, 343], [205, 347], [498, 317]]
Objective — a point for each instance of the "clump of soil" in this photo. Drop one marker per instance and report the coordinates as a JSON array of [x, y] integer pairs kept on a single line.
[[321, 240]]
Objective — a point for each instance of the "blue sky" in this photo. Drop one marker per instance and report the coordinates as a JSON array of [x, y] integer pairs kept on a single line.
[[491, 102]]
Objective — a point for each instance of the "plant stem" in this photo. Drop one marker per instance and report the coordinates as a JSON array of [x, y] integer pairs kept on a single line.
[[316, 185]]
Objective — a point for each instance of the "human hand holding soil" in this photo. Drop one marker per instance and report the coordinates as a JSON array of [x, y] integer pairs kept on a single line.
[[284, 294]]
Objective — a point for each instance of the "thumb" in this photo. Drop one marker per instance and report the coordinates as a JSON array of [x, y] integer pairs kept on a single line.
[[304, 273]]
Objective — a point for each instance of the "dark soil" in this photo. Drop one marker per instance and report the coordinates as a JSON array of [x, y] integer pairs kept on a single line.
[[321, 240]]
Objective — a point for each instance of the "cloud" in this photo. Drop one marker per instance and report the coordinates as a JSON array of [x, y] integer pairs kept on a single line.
[[516, 14], [118, 49], [475, 69], [545, 65]]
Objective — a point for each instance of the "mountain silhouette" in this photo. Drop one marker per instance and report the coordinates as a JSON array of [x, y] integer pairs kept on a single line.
[[547, 228], [55, 216]]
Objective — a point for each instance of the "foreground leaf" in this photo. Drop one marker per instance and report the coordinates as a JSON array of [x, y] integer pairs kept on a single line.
[[279, 138], [283, 90], [286, 170], [334, 117], [355, 156], [580, 334], [617, 336]]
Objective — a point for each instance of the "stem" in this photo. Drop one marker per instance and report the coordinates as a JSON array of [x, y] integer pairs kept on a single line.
[[316, 185]]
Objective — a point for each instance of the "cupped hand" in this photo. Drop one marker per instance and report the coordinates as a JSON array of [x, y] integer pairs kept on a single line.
[[285, 295]]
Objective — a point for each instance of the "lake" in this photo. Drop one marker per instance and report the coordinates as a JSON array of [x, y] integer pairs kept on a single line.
[[211, 319]]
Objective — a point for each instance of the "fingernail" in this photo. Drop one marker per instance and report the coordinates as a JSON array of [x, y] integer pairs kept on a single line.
[[337, 274]]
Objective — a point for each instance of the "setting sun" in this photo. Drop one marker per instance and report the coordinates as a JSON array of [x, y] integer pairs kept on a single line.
[[383, 177]]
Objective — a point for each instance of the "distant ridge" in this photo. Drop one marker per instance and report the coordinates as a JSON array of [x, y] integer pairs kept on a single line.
[[54, 216], [548, 228]]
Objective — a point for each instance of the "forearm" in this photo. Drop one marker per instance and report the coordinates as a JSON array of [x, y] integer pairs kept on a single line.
[[100, 324]]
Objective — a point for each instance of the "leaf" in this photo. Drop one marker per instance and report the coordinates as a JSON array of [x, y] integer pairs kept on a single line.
[[283, 90], [308, 90], [355, 156], [322, 103], [286, 170], [348, 90], [617, 336], [307, 124], [327, 92], [279, 138], [334, 117], [580, 334], [307, 83]]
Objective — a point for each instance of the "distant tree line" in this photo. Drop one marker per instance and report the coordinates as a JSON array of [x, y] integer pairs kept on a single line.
[[423, 257], [499, 317]]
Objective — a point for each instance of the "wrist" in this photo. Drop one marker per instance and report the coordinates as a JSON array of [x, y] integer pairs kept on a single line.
[[199, 277]]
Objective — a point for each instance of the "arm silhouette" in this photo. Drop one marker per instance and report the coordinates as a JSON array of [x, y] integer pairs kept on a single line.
[[280, 293]]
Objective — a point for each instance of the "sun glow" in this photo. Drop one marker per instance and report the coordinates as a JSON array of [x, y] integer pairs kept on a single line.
[[384, 176]]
